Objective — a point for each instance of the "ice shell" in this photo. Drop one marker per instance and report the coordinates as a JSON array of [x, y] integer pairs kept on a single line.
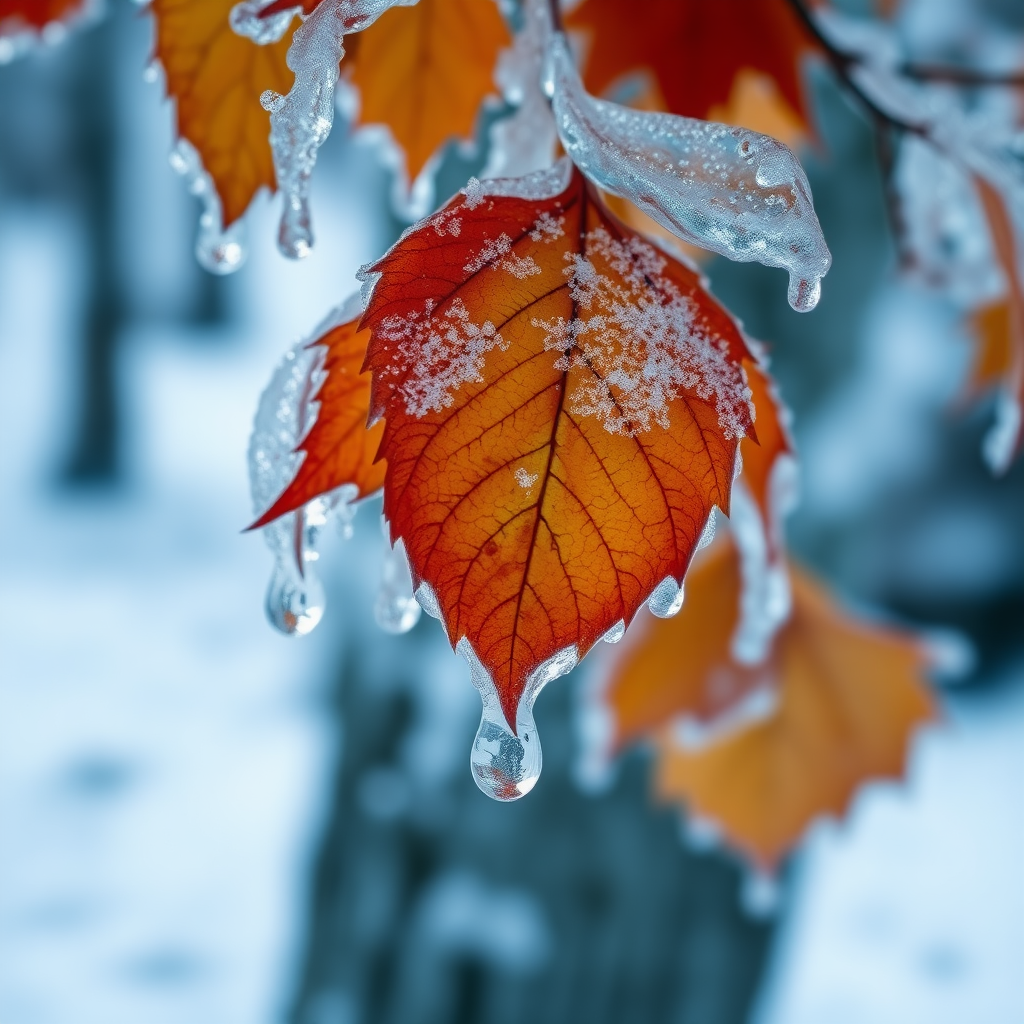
[[731, 190], [507, 765], [667, 598], [396, 609]]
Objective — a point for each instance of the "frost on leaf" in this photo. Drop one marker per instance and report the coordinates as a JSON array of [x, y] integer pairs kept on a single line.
[[333, 442], [731, 190], [848, 699], [556, 439]]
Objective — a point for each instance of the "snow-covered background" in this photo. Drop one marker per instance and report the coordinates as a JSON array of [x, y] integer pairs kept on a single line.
[[166, 759]]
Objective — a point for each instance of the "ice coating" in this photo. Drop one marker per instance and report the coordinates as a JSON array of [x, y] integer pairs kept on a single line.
[[218, 250], [666, 599], [616, 633], [295, 598], [506, 765], [245, 20], [525, 141], [301, 121], [731, 190], [396, 609]]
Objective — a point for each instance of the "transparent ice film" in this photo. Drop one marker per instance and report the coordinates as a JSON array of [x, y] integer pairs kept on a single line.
[[524, 141], [301, 121], [218, 250], [506, 765], [396, 609], [731, 190], [295, 597]]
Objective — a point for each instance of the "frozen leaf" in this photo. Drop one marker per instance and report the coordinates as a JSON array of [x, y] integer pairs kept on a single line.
[[19, 15], [563, 405], [215, 78], [849, 698], [339, 450], [424, 73], [694, 48], [730, 190]]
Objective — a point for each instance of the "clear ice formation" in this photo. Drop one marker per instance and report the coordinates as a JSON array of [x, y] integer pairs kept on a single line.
[[245, 20], [295, 597], [731, 190], [301, 121], [525, 140], [218, 250], [666, 600], [396, 609]]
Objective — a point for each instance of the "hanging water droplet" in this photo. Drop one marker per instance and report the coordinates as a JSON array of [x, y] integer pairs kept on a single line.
[[152, 72], [616, 633], [804, 293], [295, 231], [396, 609], [506, 765], [294, 604], [667, 598]]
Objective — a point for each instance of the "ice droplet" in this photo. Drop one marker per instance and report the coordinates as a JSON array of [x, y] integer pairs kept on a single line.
[[295, 598], [396, 609], [667, 598], [1002, 438], [218, 250], [759, 894], [506, 765], [731, 190], [616, 633], [804, 294], [707, 536]]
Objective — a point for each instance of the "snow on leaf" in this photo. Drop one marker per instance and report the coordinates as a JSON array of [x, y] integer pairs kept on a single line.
[[610, 378], [694, 48], [731, 190], [849, 698], [339, 448], [215, 78], [424, 73]]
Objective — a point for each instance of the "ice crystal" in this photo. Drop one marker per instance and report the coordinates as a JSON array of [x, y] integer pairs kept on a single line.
[[730, 190]]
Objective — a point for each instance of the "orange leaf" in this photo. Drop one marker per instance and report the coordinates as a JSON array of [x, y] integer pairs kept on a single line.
[[423, 72], [339, 448], [35, 13], [682, 668], [849, 699], [695, 48], [991, 329], [563, 408], [215, 78]]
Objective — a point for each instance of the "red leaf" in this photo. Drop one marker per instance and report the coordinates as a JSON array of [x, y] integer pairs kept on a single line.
[[35, 14], [563, 406]]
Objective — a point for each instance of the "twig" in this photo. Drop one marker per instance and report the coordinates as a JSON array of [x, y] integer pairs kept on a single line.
[[963, 76]]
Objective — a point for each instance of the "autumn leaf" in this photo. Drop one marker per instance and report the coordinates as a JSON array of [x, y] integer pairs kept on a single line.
[[37, 14], [849, 697], [992, 329], [694, 48], [563, 407], [216, 78], [423, 72], [339, 449]]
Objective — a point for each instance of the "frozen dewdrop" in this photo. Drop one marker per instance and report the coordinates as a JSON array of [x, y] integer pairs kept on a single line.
[[505, 764], [295, 605], [667, 598], [616, 633], [396, 609], [804, 294]]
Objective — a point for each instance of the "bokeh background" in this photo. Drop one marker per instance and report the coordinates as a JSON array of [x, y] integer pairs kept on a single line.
[[203, 821]]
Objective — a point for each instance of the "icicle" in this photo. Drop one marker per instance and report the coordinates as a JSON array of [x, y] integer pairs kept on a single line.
[[218, 250], [396, 610], [730, 190], [667, 598], [507, 765], [525, 141], [301, 121], [295, 598]]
